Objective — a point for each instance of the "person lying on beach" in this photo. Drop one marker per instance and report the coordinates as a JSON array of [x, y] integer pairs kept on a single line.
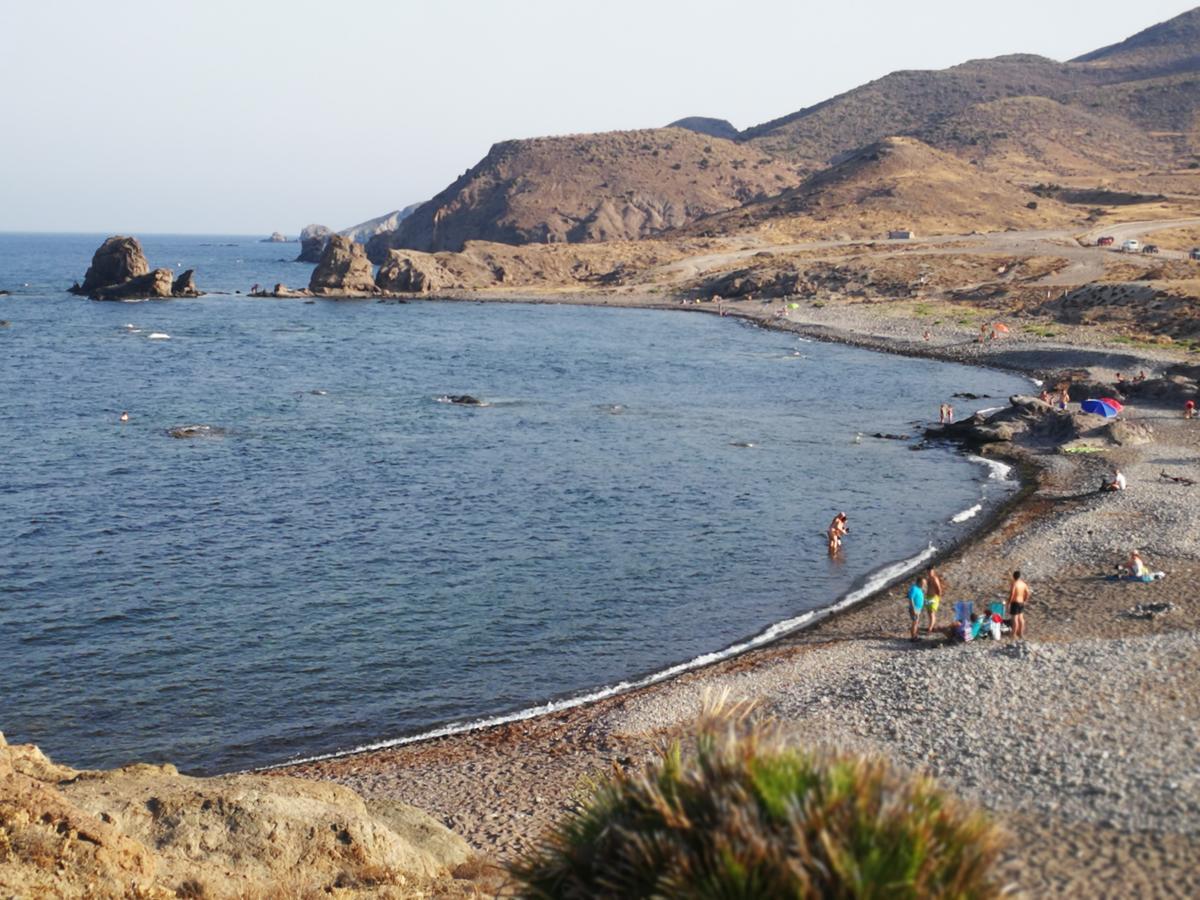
[[936, 589], [1116, 483], [1018, 597], [916, 602]]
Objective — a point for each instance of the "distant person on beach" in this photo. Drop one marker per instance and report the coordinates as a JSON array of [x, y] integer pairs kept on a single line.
[[936, 588], [1189, 409], [916, 602], [1045, 396], [1018, 597], [1064, 398], [837, 530], [950, 413], [1116, 483]]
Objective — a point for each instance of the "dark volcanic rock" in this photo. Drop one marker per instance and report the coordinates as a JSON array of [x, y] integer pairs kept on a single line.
[[185, 285], [411, 271], [118, 260], [343, 267], [464, 400], [195, 431], [153, 284], [313, 239]]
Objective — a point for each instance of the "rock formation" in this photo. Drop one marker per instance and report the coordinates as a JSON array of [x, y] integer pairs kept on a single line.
[[119, 271], [411, 271], [276, 237], [185, 285], [343, 269], [147, 831], [313, 239]]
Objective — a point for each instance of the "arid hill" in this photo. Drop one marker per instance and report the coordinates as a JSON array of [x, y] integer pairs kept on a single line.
[[704, 125], [594, 187], [895, 183], [1040, 138], [1149, 80]]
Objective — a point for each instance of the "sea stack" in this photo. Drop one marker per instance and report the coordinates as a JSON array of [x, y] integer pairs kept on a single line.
[[119, 271], [343, 269], [313, 239]]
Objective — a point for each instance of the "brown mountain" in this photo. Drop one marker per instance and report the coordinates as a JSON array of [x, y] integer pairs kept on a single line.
[[1151, 80], [898, 182], [593, 187]]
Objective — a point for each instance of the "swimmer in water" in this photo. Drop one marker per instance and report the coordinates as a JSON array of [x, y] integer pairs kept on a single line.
[[124, 417]]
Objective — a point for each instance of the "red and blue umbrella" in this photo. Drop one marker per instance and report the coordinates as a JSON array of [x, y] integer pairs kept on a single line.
[[1106, 408]]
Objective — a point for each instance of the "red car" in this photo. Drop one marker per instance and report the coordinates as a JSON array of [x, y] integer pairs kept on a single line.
[[1105, 241]]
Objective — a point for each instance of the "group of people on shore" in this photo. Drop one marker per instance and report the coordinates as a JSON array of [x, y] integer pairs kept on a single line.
[[925, 597]]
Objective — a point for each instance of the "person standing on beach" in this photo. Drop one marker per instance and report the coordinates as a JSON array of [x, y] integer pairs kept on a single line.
[[1018, 596], [916, 602], [936, 588], [1189, 409]]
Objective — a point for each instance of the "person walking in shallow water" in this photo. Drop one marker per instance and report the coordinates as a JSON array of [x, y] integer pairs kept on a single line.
[[837, 530], [1018, 597]]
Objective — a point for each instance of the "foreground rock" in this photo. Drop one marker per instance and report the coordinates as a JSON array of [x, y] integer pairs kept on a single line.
[[147, 831], [119, 271], [343, 269]]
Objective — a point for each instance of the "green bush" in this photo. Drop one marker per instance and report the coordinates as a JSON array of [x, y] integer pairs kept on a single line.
[[748, 817]]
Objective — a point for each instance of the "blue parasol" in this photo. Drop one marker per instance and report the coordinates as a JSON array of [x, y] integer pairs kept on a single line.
[[1099, 408]]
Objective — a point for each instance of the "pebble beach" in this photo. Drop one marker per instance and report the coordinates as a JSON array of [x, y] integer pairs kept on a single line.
[[1083, 741]]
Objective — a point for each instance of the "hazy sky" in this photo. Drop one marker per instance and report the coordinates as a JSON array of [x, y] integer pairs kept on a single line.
[[260, 115]]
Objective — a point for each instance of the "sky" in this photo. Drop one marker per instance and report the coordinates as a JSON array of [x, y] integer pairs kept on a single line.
[[247, 117]]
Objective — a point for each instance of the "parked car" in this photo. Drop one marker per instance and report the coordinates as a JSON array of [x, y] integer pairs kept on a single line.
[[1130, 246], [1105, 241], [1195, 254], [1150, 248]]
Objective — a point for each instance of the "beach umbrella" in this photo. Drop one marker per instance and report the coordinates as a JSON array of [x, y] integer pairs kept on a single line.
[[1099, 408], [1113, 403]]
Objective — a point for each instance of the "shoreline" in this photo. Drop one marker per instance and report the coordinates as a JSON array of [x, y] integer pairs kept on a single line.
[[1090, 823]]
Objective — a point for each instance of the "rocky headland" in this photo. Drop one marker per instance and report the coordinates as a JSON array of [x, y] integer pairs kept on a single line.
[[119, 271]]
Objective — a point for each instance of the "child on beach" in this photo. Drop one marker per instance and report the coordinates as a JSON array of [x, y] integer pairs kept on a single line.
[[916, 602], [936, 588], [1189, 409]]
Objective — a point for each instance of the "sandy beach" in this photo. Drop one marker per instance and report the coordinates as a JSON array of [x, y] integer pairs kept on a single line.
[[1083, 741]]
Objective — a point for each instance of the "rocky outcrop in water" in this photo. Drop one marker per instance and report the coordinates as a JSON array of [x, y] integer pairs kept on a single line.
[[277, 237], [313, 239], [147, 831], [343, 269], [119, 271], [410, 271]]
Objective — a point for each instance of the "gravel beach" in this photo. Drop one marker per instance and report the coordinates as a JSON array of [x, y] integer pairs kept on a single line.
[[1083, 740]]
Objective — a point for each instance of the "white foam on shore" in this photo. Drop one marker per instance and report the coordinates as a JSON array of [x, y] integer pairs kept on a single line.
[[873, 583], [998, 471], [967, 514]]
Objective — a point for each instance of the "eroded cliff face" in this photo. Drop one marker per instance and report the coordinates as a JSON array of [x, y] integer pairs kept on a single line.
[[148, 831], [343, 269]]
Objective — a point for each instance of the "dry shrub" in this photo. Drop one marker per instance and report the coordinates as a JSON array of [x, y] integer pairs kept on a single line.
[[747, 816]]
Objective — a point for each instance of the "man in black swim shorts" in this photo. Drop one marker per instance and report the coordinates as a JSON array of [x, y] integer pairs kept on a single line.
[[1018, 596]]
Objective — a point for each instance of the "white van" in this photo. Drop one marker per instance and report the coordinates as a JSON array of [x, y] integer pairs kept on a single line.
[[1131, 246]]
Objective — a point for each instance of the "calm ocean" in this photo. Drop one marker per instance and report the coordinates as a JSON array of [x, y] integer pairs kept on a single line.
[[346, 560]]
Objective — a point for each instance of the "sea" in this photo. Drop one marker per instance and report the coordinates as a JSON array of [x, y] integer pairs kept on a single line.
[[341, 559]]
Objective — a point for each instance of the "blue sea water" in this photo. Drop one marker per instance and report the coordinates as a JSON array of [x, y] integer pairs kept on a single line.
[[348, 560]]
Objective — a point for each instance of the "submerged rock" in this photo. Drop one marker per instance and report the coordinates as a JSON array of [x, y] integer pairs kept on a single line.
[[462, 400], [195, 431], [146, 830], [344, 268]]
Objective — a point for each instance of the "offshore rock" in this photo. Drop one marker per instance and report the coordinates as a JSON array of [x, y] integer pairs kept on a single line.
[[343, 269], [153, 284], [277, 237], [313, 239], [118, 260], [185, 285], [410, 271]]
